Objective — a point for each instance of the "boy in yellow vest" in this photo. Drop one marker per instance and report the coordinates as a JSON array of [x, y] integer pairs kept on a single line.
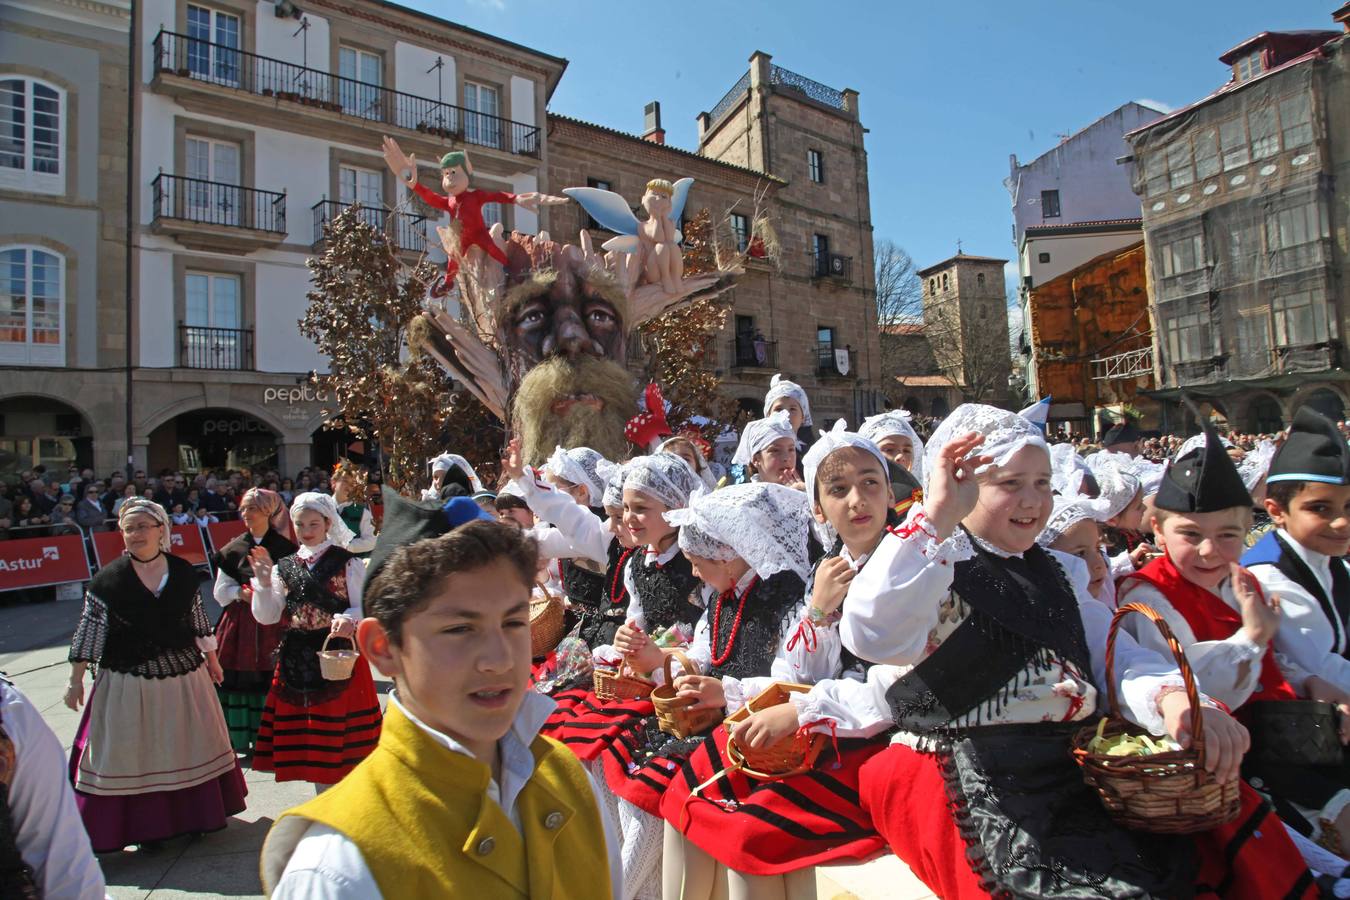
[[462, 797]]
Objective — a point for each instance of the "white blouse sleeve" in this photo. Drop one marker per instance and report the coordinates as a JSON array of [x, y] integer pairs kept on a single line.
[[356, 580], [635, 614], [365, 541], [584, 530], [269, 600], [1120, 564], [1305, 643], [552, 543], [858, 709], [226, 590], [1228, 670], [810, 652], [892, 603]]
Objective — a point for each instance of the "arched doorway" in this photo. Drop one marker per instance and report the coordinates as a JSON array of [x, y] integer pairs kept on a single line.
[[1264, 415], [212, 440], [40, 431], [912, 405], [1327, 402]]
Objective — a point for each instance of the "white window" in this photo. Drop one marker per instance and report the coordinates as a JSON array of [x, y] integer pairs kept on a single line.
[[1265, 131], [1291, 227], [1296, 120], [815, 164], [1185, 255], [32, 131], [32, 307], [1249, 66], [212, 335], [1300, 318], [361, 72], [492, 215], [1189, 337], [740, 230], [482, 125], [1206, 154], [212, 192], [365, 187], [213, 45], [1179, 164], [1233, 141]]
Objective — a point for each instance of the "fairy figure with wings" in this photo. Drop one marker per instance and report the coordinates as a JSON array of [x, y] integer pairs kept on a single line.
[[657, 240]]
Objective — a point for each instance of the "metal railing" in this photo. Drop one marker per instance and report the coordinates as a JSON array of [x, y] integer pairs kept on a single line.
[[1131, 364], [730, 99], [748, 352], [225, 66], [408, 231], [827, 364], [215, 348], [813, 89], [832, 265], [214, 203]]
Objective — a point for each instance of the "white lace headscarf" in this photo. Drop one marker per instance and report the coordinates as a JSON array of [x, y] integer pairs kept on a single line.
[[1068, 512], [142, 506], [1067, 469], [836, 438], [324, 505], [895, 422], [761, 433], [781, 387], [1256, 464], [447, 461], [1117, 486], [583, 466], [1198, 440], [1150, 475], [705, 474], [764, 524], [664, 477], [1005, 433], [613, 496]]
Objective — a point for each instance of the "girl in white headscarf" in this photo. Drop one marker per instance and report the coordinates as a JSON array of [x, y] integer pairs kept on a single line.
[[788, 396], [152, 756], [896, 438], [1073, 535], [768, 449], [318, 589]]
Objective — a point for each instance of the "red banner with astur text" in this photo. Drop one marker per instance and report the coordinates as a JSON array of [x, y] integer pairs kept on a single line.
[[38, 562]]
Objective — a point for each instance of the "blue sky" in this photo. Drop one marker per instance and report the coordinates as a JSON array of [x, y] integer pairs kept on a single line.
[[948, 89]]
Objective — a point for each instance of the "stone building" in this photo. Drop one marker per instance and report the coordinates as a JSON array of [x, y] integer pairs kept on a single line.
[[965, 317], [794, 147], [63, 163], [1245, 218]]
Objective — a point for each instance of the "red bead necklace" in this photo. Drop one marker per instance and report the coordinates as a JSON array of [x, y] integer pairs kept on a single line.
[[617, 592], [720, 658]]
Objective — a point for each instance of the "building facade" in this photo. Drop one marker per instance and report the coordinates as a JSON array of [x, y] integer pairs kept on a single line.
[[63, 162], [1244, 227], [256, 126], [965, 318]]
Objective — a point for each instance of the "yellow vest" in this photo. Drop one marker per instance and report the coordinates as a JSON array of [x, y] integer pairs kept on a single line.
[[420, 814]]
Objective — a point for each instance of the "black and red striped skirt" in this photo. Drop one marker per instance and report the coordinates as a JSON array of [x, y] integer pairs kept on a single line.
[[642, 762], [587, 724], [764, 827], [324, 741]]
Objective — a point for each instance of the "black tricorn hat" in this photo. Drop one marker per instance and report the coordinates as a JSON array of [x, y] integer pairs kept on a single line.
[[1315, 450], [405, 522], [1123, 432], [1204, 479]]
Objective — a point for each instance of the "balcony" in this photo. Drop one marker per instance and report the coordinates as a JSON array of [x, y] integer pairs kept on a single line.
[[748, 353], [208, 215], [215, 348], [184, 65], [407, 231], [828, 361], [832, 265]]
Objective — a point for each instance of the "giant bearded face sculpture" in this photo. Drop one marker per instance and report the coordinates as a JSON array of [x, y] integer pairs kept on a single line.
[[563, 329]]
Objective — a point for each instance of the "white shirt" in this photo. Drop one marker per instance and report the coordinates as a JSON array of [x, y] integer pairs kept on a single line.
[[326, 865], [50, 834], [575, 532], [226, 590], [269, 600], [1308, 643]]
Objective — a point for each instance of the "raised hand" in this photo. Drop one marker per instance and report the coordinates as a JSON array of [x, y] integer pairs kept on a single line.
[[1260, 615], [513, 464], [831, 586], [952, 490], [400, 162], [262, 564]]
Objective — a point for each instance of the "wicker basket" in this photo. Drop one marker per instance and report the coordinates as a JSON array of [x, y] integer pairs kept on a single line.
[[547, 623], [789, 756], [673, 714], [1162, 793], [337, 665], [623, 684]]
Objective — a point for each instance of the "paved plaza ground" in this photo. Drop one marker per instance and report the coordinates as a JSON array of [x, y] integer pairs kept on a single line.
[[34, 638]]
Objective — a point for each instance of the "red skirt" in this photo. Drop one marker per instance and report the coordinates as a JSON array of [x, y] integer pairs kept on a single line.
[[247, 651], [905, 793], [587, 724], [324, 742], [642, 762], [772, 827]]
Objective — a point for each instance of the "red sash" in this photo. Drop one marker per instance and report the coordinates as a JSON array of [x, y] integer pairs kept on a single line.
[[1210, 619]]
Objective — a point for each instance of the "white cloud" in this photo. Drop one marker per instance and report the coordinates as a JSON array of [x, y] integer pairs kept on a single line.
[[494, 5], [1158, 105]]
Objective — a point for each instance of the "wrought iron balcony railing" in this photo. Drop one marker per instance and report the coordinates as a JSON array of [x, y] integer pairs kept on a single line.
[[218, 64], [827, 360], [213, 203], [408, 231], [832, 265], [746, 352], [215, 348]]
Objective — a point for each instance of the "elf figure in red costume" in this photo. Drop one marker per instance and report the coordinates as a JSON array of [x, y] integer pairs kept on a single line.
[[465, 204]]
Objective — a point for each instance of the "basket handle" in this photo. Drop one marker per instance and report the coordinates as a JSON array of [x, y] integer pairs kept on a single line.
[[330, 636], [684, 662], [1183, 664]]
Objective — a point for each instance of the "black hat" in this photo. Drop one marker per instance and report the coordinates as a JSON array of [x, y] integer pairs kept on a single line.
[[405, 522], [1314, 451], [1202, 480], [1123, 432]]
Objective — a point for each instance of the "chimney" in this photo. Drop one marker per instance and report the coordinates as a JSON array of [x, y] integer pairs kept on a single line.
[[651, 123], [1342, 15]]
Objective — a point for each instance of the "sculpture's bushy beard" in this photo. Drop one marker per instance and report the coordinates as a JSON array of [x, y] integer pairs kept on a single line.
[[566, 403]]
